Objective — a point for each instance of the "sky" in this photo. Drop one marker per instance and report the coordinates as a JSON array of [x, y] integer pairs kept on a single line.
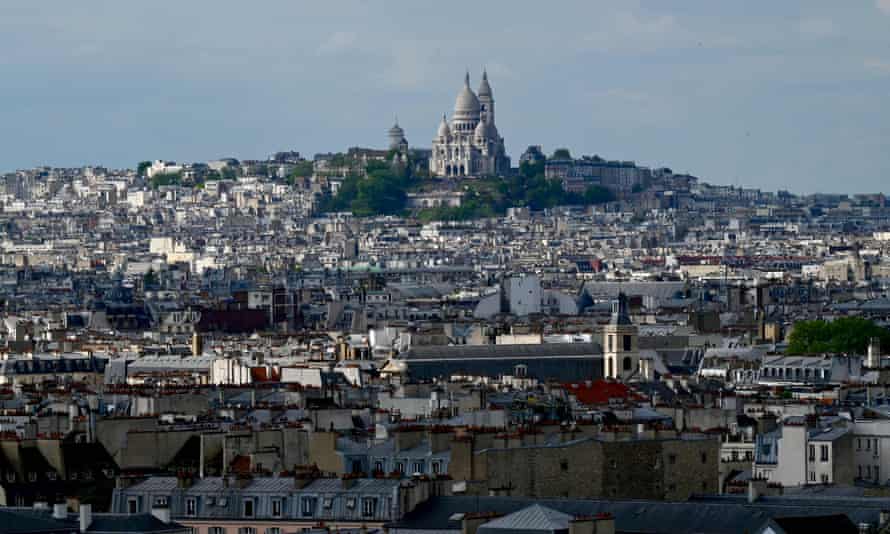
[[757, 93]]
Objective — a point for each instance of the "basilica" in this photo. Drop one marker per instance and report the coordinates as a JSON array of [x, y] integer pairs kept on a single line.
[[470, 145]]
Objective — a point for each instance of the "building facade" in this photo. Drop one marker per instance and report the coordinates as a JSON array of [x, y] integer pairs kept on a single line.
[[470, 145]]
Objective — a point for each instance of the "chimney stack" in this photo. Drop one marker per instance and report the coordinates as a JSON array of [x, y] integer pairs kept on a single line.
[[86, 517]]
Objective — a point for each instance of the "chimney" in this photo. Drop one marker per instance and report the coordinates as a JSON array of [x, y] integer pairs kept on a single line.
[[604, 524], [755, 489], [162, 513], [472, 521], [60, 511], [86, 517], [873, 360], [581, 525]]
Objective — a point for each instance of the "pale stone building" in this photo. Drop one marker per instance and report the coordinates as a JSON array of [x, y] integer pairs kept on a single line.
[[470, 144]]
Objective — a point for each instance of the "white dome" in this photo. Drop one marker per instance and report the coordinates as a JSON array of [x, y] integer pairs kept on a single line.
[[444, 130], [466, 103]]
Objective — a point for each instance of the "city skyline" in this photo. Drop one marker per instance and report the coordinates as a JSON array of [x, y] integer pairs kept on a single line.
[[782, 98]]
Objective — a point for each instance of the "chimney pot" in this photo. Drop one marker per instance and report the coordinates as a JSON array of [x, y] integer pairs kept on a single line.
[[86, 517]]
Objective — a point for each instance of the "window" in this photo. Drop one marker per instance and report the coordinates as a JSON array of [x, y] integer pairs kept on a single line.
[[611, 343], [191, 507], [327, 503], [400, 467], [216, 530], [161, 501], [860, 471], [369, 506], [868, 471], [418, 467], [868, 444], [858, 444], [350, 503], [672, 459], [32, 476], [307, 506], [626, 364], [276, 507], [824, 478], [704, 457], [437, 467], [812, 453], [132, 505], [877, 473], [273, 530], [248, 507], [246, 530], [378, 466], [812, 476], [628, 343], [823, 450], [564, 465]]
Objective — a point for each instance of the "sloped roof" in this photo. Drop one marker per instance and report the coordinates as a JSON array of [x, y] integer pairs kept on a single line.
[[543, 350], [532, 518]]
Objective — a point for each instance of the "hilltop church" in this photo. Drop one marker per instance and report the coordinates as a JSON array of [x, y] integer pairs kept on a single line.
[[470, 145]]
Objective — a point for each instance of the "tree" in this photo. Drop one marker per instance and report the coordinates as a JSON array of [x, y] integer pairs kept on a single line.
[[561, 153], [302, 169], [142, 167], [166, 178], [150, 279], [847, 335], [228, 173]]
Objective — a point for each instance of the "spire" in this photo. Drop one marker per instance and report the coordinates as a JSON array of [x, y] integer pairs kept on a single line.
[[484, 74], [467, 78]]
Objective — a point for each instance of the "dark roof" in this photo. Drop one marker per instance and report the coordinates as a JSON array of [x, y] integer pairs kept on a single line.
[[834, 524], [132, 523], [543, 350], [711, 517], [22, 521]]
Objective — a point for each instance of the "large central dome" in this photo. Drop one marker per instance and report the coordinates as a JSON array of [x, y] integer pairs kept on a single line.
[[467, 103]]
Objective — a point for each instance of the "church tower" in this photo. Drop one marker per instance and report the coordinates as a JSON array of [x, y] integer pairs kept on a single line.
[[621, 355], [486, 100]]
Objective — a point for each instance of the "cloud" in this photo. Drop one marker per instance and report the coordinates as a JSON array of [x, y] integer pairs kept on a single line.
[[877, 65], [632, 32], [813, 27], [883, 5], [337, 42]]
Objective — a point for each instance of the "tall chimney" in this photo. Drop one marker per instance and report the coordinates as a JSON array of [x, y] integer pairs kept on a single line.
[[86, 517], [873, 360]]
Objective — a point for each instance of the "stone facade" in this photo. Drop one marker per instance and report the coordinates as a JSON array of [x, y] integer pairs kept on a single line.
[[611, 467], [470, 145]]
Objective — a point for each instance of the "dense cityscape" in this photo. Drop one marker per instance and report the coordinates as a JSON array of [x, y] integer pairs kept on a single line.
[[430, 335]]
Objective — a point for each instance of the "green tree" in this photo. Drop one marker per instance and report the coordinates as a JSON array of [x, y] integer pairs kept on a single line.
[[228, 173], [142, 167], [150, 279], [561, 153], [302, 169], [846, 335], [166, 178]]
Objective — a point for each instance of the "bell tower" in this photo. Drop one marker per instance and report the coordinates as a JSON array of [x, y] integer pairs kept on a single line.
[[621, 354]]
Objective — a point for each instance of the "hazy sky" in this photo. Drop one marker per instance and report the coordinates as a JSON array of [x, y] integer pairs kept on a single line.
[[770, 94]]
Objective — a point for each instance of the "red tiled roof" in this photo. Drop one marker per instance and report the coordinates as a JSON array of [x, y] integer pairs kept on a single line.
[[598, 391]]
